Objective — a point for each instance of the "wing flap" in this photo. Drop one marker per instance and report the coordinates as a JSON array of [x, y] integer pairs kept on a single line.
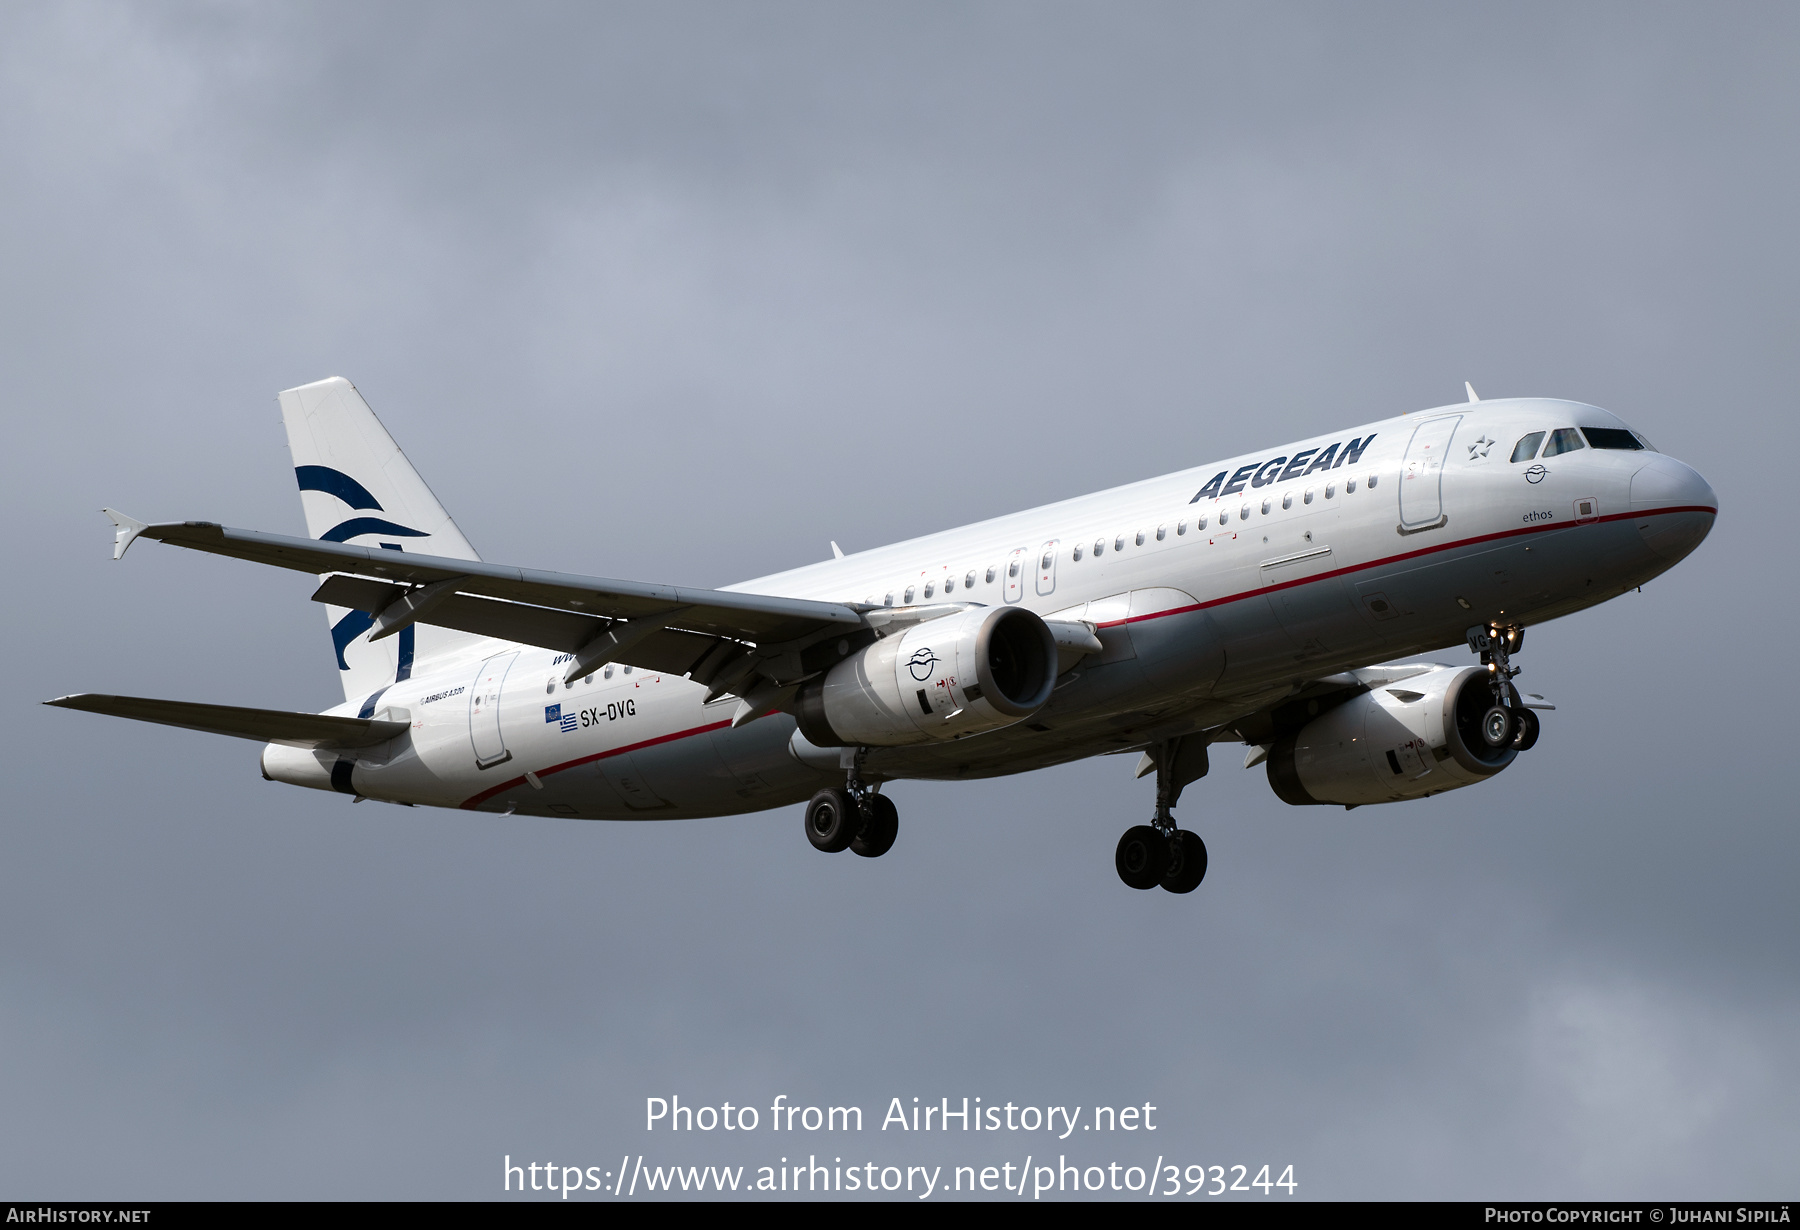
[[562, 631], [308, 730]]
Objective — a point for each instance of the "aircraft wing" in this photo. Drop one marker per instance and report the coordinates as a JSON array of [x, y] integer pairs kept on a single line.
[[308, 730], [713, 636]]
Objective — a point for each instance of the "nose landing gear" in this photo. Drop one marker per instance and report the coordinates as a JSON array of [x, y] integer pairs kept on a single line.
[[1507, 721], [1158, 852], [852, 817]]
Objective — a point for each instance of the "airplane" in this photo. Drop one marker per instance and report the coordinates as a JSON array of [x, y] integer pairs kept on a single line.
[[1268, 600]]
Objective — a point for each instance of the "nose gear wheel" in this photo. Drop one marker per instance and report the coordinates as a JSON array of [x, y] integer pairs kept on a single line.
[[1507, 722]]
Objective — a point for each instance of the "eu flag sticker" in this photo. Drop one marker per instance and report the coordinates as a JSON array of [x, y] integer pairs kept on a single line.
[[553, 713]]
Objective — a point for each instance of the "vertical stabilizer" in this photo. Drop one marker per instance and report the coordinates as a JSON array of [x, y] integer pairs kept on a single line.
[[356, 486]]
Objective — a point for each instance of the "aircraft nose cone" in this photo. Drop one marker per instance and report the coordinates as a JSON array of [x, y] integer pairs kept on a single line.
[[1675, 506]]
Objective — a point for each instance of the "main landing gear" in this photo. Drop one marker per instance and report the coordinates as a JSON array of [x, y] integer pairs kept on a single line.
[[1158, 852], [1507, 721], [852, 816]]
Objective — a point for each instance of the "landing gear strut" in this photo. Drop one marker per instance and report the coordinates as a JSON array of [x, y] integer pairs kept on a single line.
[[1507, 721], [854, 816], [1158, 852]]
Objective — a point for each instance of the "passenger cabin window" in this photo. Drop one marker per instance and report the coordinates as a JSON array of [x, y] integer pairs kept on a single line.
[[969, 580], [928, 586], [1527, 446], [1076, 554], [1563, 440], [949, 584], [887, 600], [909, 595], [1611, 437], [990, 576]]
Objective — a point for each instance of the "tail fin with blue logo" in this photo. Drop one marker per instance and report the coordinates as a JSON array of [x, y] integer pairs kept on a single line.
[[356, 486]]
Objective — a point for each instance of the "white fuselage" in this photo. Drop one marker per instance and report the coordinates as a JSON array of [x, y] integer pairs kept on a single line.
[[1211, 598]]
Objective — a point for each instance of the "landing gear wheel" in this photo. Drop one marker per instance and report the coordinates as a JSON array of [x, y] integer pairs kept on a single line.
[[1187, 864], [879, 831], [1497, 726], [831, 820], [1142, 857], [1528, 730]]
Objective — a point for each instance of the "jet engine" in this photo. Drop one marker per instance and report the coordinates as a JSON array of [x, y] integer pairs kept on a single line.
[[960, 674], [1404, 740]]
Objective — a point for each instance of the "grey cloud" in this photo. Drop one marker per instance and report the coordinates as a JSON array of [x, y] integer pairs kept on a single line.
[[681, 293]]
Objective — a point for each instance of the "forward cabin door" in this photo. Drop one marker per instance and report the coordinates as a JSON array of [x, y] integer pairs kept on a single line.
[[1422, 474], [484, 711]]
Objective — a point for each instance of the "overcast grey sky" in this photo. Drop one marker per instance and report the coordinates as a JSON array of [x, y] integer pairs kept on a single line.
[[680, 293]]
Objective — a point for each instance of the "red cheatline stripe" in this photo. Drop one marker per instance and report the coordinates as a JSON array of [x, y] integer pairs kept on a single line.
[[1406, 555], [516, 782]]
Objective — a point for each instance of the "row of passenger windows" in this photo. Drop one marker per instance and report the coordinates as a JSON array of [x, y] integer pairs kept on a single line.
[[1568, 439], [913, 593], [550, 685], [968, 582]]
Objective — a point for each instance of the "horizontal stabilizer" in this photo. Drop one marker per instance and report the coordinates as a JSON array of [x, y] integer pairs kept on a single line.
[[308, 730]]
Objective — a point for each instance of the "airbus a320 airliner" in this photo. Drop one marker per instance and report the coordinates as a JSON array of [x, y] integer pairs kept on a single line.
[[1250, 600]]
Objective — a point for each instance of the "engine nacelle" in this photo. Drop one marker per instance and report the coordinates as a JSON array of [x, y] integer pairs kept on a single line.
[[956, 675], [1417, 736]]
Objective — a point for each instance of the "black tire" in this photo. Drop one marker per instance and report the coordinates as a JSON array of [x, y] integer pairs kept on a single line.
[[1142, 857], [1526, 737], [879, 831], [1187, 864], [1497, 726], [831, 820]]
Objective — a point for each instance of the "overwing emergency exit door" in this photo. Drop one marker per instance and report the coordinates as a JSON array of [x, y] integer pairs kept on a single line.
[[1016, 564]]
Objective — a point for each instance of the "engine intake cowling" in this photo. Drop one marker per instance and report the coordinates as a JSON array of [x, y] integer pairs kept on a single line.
[[957, 675], [1404, 740]]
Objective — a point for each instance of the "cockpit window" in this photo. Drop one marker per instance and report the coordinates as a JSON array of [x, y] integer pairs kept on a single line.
[[1563, 440], [1611, 437], [1526, 448]]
